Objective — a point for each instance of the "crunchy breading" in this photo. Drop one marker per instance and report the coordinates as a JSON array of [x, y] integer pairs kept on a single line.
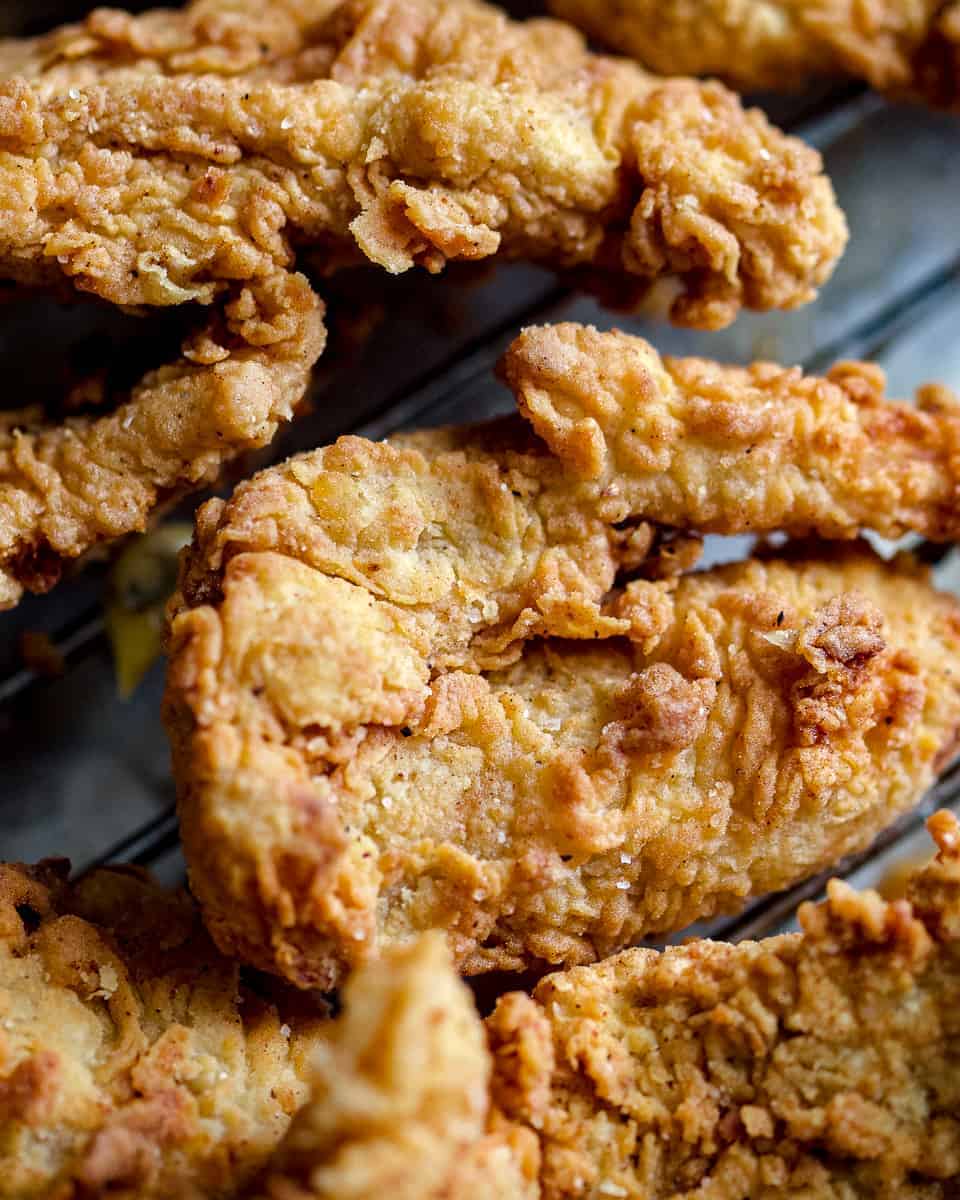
[[440, 157], [133, 1062], [821, 1064], [726, 448], [65, 487], [910, 48], [420, 684], [400, 1096]]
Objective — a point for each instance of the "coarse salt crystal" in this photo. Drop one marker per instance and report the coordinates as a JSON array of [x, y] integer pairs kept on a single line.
[[623, 885], [626, 858], [286, 123], [285, 1031], [387, 802]]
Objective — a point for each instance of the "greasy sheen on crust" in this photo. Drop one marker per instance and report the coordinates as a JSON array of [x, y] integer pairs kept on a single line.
[[421, 683], [66, 487], [405, 146], [910, 48], [821, 1065], [400, 1096], [133, 1062], [726, 449]]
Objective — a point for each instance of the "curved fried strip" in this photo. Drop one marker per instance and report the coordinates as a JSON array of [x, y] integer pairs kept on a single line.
[[133, 1062], [910, 49], [410, 687], [727, 449], [822, 1064], [399, 1099], [424, 153], [68, 487]]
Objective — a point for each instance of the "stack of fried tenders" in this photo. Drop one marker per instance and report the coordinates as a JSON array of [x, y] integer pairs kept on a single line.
[[818, 1064], [194, 157], [457, 702], [454, 679]]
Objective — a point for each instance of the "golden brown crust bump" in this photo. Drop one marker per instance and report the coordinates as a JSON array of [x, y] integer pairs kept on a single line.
[[824, 1064], [727, 449], [400, 1096], [133, 1063], [420, 684], [66, 487], [910, 48], [413, 151]]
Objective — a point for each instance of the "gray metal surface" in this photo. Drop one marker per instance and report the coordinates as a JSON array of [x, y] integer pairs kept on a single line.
[[85, 773]]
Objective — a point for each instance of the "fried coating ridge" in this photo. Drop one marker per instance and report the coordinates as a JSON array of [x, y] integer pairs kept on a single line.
[[819, 1064], [424, 683], [400, 1096], [66, 487], [419, 161], [133, 1062], [911, 50], [726, 448]]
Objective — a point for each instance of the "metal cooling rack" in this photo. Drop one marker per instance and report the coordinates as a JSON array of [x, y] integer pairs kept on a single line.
[[86, 774]]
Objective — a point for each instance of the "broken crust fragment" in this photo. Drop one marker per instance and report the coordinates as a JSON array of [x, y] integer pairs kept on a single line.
[[909, 50], [400, 1096], [67, 487], [729, 449], [133, 1062], [626, 176], [421, 685], [821, 1063]]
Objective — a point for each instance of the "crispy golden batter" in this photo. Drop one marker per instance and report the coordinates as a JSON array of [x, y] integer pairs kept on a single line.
[[417, 149], [728, 448], [824, 1064], [302, 40], [400, 1096], [133, 1063], [66, 487], [418, 684], [908, 47]]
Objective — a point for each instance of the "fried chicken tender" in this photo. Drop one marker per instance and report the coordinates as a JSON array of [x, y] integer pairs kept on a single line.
[[133, 1062], [66, 487], [420, 684], [910, 48], [400, 1096], [820, 1064], [406, 147], [726, 448]]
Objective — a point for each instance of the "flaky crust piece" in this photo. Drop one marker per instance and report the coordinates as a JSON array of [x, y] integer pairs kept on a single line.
[[824, 1064], [420, 683], [67, 487], [442, 157], [133, 1063], [400, 1096], [910, 48]]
